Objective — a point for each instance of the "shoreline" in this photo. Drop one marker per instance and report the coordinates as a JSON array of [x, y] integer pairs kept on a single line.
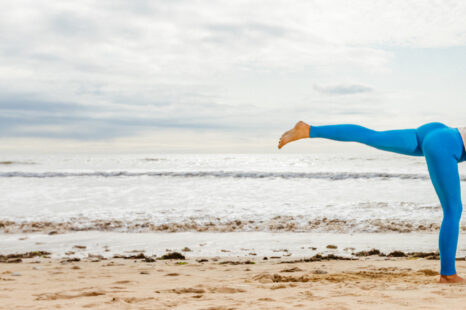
[[219, 271], [208, 244]]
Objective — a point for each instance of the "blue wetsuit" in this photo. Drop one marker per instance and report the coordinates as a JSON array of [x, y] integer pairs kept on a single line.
[[442, 146]]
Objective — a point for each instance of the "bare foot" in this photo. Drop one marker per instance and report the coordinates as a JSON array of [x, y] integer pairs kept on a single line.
[[300, 131], [451, 279]]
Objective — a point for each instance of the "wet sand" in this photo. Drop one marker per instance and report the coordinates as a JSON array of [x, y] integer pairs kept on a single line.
[[227, 283]]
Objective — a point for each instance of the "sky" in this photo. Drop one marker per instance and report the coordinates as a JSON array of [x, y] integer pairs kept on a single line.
[[192, 76]]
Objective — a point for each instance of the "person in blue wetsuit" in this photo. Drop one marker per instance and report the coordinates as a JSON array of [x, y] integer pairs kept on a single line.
[[443, 148]]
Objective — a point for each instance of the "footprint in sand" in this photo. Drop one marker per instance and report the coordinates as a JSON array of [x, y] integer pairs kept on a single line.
[[221, 290], [293, 269], [132, 300], [428, 272], [278, 286], [188, 290], [123, 282], [270, 278], [226, 290], [266, 299], [61, 295]]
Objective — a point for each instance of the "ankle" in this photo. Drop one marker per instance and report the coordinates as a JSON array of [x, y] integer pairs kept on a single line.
[[304, 129]]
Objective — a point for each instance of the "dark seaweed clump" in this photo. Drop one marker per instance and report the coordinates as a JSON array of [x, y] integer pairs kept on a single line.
[[17, 258], [173, 255], [142, 256]]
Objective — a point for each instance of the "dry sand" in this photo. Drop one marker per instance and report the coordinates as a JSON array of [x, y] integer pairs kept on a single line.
[[368, 283]]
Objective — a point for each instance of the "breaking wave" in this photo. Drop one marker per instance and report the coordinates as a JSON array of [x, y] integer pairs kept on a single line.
[[275, 224], [221, 174]]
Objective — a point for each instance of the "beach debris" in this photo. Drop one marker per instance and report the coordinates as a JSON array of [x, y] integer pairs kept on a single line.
[[230, 262], [142, 256], [369, 253], [79, 247], [186, 249], [202, 260], [17, 258], [426, 255], [36, 267], [422, 254], [224, 251], [15, 274], [397, 254], [173, 255], [319, 257], [144, 272], [70, 260], [331, 246], [53, 232], [95, 257]]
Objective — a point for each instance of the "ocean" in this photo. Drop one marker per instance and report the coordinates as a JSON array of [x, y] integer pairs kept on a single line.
[[243, 196]]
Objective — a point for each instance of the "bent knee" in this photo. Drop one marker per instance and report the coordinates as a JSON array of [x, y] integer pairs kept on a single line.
[[453, 212]]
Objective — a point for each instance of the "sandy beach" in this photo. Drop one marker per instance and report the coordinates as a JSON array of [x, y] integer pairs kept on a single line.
[[227, 283]]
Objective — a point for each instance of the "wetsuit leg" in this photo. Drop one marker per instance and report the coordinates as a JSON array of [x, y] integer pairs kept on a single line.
[[403, 141], [443, 149]]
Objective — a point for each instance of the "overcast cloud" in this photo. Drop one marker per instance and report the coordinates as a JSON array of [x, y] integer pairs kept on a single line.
[[199, 75]]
